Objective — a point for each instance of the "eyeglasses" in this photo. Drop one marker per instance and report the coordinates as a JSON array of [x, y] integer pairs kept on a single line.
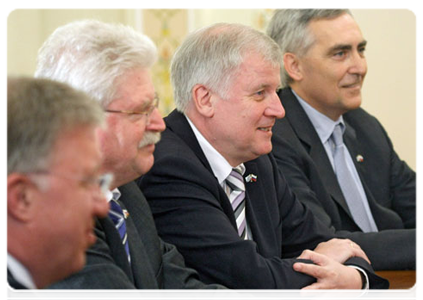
[[102, 182], [147, 112]]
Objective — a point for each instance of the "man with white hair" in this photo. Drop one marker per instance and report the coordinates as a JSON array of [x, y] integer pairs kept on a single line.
[[216, 192], [112, 64]]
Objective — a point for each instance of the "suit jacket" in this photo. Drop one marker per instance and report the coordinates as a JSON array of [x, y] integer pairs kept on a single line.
[[390, 185], [16, 291], [154, 264], [192, 211]]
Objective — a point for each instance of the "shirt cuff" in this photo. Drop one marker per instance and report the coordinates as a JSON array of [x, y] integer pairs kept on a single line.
[[364, 277]]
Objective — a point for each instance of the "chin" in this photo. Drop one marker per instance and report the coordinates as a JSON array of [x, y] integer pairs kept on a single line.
[[144, 164]]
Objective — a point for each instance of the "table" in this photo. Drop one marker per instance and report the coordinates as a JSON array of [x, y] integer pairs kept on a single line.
[[399, 279]]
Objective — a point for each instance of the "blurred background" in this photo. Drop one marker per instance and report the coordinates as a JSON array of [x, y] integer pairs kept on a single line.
[[389, 91]]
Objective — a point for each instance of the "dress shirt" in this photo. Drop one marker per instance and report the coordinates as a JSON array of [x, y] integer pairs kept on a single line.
[[324, 127], [19, 272], [220, 166]]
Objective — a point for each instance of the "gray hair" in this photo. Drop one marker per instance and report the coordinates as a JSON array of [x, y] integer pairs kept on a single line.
[[212, 55], [92, 56], [38, 111], [289, 28]]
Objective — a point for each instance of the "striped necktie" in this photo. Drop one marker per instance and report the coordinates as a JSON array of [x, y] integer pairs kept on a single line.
[[358, 206], [235, 189], [118, 217]]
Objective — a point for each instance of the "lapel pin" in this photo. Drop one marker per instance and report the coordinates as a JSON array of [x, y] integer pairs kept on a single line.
[[125, 213], [360, 158], [251, 178]]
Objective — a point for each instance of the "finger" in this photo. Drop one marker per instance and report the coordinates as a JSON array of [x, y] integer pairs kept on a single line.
[[317, 258], [305, 254], [309, 269]]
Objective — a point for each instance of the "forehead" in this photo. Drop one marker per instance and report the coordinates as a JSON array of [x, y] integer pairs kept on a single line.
[[134, 89], [340, 30], [76, 149], [255, 70]]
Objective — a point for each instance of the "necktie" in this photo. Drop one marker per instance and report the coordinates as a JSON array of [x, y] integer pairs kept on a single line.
[[235, 189], [118, 218], [356, 203]]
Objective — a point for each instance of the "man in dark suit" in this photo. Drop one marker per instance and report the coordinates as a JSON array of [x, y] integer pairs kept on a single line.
[[53, 191], [324, 68], [241, 233], [112, 63]]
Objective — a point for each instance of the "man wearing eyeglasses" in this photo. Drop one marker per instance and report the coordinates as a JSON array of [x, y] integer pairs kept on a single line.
[[112, 64], [54, 192]]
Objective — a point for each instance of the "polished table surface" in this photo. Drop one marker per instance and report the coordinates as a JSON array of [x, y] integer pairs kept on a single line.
[[399, 279]]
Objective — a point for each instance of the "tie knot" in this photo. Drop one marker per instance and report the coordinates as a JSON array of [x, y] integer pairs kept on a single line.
[[235, 179], [337, 135]]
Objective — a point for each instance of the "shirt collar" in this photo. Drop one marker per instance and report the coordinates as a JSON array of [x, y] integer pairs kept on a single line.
[[113, 195], [324, 126], [220, 166], [19, 272]]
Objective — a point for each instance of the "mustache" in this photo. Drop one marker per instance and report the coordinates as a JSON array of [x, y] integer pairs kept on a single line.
[[150, 138]]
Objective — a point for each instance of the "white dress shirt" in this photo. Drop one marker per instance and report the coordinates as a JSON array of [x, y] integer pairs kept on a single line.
[[19, 272]]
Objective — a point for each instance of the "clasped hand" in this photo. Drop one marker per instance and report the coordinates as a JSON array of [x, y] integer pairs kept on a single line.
[[328, 258]]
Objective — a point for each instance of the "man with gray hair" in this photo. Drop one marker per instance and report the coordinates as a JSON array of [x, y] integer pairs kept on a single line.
[[112, 62], [360, 189], [216, 192], [53, 191]]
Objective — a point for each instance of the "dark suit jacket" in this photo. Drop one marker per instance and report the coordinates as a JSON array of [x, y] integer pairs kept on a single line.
[[192, 211], [16, 291], [154, 264], [390, 185]]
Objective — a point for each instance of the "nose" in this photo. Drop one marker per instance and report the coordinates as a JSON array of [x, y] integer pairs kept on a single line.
[[155, 122], [100, 205], [275, 108], [358, 64]]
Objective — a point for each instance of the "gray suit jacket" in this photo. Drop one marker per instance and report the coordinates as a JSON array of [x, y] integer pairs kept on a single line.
[[154, 263], [390, 185]]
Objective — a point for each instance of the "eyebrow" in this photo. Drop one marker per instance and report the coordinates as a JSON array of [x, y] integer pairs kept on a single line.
[[344, 47]]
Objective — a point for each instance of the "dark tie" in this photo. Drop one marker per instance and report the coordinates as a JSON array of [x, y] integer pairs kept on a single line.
[[118, 218], [236, 194], [349, 186]]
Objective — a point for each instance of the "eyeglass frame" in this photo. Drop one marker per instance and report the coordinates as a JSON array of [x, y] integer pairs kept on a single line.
[[147, 112], [102, 181]]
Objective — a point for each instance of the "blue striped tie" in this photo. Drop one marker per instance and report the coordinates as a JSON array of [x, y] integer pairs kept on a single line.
[[236, 194], [118, 218]]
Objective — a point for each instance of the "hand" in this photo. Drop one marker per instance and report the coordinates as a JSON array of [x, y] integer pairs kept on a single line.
[[329, 273], [340, 250]]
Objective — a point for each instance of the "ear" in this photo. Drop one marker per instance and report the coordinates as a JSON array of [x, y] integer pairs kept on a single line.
[[202, 97], [292, 66], [20, 196]]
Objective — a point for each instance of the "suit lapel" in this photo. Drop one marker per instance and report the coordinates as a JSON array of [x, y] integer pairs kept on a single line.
[[178, 124], [143, 274], [308, 136], [257, 211]]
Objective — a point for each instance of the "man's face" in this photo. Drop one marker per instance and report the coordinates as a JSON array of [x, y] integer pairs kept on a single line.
[[334, 68], [126, 154], [242, 123], [66, 206]]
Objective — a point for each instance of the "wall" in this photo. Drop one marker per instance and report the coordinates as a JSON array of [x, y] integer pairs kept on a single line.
[[389, 90]]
